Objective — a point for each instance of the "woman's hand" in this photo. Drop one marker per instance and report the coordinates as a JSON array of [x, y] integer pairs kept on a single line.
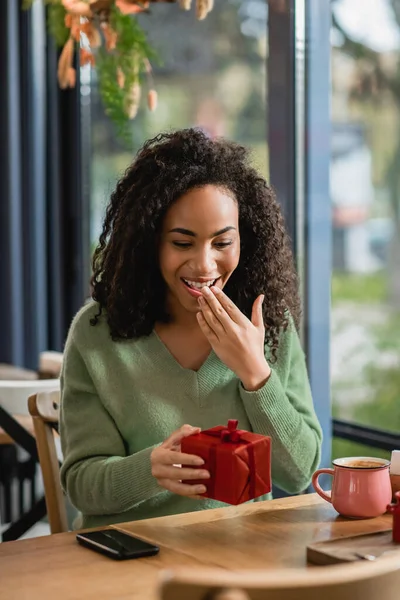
[[166, 461], [238, 342]]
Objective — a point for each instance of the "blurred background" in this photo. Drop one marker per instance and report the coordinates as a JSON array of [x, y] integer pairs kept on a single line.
[[313, 88]]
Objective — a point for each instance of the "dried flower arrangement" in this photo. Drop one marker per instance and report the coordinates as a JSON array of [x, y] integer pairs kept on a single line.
[[109, 38]]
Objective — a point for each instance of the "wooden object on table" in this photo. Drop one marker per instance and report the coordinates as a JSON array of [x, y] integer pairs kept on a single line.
[[261, 535], [352, 548], [25, 421], [50, 364], [367, 581], [45, 410]]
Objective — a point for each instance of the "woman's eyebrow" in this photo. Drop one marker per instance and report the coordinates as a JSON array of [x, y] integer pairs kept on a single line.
[[192, 234]]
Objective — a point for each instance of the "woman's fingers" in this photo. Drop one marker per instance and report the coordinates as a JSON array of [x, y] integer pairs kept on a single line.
[[166, 461], [230, 308], [173, 457], [179, 473], [214, 311], [183, 489], [212, 321], [257, 314], [206, 329], [177, 436]]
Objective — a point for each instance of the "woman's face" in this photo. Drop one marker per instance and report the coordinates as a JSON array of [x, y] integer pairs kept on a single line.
[[200, 244]]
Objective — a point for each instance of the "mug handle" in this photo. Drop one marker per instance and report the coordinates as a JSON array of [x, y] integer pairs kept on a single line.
[[325, 495]]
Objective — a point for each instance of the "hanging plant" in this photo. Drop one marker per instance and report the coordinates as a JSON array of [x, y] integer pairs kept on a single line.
[[108, 37]]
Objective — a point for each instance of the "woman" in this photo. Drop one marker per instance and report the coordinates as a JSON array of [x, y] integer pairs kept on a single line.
[[193, 321]]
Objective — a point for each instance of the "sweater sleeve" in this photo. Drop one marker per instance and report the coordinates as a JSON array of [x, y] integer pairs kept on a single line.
[[283, 409], [96, 473]]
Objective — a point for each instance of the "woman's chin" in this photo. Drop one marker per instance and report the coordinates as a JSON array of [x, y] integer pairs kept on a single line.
[[190, 305], [179, 303]]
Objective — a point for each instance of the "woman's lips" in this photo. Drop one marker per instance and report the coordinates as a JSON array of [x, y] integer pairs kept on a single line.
[[194, 292]]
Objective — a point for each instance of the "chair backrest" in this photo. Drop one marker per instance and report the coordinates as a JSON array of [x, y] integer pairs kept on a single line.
[[45, 410], [363, 579]]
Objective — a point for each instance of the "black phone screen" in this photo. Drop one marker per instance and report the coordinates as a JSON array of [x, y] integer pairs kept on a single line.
[[116, 544]]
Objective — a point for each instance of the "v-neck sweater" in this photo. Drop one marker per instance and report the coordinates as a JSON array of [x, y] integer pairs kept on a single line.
[[120, 399]]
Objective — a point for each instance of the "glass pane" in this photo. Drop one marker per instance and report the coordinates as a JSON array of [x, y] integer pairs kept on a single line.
[[213, 75], [365, 192]]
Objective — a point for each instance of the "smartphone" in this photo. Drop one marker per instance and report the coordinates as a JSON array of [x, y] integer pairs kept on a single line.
[[116, 544]]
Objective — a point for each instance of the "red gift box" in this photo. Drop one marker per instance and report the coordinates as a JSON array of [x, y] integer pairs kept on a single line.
[[239, 462]]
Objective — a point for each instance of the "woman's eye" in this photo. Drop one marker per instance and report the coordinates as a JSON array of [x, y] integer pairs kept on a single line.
[[182, 244], [223, 244], [219, 245]]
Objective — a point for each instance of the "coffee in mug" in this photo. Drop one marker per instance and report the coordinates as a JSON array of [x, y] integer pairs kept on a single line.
[[360, 463], [361, 486]]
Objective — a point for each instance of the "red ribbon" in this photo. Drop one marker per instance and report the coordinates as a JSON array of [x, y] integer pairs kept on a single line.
[[230, 434]]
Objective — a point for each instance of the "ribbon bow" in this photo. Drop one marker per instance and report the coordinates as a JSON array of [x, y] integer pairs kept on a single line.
[[231, 433]]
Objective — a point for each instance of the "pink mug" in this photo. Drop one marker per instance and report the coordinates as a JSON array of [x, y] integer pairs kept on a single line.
[[361, 486]]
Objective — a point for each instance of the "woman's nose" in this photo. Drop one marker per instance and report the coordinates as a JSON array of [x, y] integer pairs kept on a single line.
[[204, 262]]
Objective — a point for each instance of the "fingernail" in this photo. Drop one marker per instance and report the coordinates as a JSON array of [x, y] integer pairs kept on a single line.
[[201, 489], [199, 461], [206, 290], [215, 289], [205, 475]]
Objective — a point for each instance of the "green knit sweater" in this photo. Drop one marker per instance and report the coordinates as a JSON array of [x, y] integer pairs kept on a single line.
[[121, 399]]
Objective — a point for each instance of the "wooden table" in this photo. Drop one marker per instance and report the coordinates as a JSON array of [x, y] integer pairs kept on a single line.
[[263, 535]]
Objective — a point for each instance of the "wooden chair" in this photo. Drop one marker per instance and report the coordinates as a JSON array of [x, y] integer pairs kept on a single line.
[[45, 409], [17, 469], [366, 580]]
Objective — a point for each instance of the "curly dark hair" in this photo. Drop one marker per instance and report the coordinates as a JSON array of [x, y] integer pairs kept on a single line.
[[126, 280]]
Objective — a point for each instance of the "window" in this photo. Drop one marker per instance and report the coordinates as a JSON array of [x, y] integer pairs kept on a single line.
[[365, 195], [213, 75]]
